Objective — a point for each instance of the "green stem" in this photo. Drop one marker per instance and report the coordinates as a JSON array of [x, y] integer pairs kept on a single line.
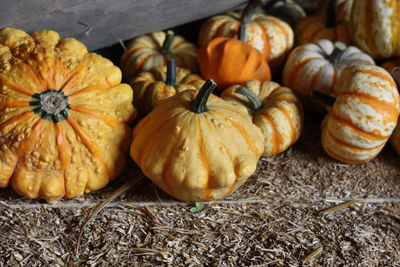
[[271, 4], [171, 72], [165, 49], [199, 104], [337, 52], [331, 14], [256, 103], [249, 10], [242, 33], [323, 98]]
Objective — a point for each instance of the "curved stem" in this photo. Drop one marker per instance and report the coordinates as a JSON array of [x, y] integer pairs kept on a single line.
[[256, 103], [337, 52], [171, 72], [270, 4], [167, 43], [242, 33], [323, 98], [331, 14], [249, 10], [199, 104]]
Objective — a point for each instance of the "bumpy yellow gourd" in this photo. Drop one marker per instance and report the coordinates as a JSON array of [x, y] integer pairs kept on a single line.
[[64, 115], [197, 147]]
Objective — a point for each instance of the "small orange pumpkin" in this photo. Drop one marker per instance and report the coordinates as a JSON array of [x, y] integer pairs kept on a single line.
[[274, 109], [231, 61], [160, 83]]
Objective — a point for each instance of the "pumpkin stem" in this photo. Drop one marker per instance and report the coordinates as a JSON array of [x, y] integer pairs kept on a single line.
[[249, 10], [289, 12], [323, 98], [337, 52], [171, 72], [256, 103], [199, 104], [167, 43], [331, 14], [270, 4], [242, 33]]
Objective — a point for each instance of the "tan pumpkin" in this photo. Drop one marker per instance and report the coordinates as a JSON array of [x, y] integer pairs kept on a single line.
[[274, 109], [151, 87], [153, 50], [197, 147], [271, 36], [363, 116], [64, 116], [317, 27], [374, 27], [316, 66]]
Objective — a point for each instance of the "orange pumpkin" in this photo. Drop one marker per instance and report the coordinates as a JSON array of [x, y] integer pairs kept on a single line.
[[231, 61], [153, 50], [64, 116], [151, 87], [270, 35], [274, 109], [318, 27], [363, 116]]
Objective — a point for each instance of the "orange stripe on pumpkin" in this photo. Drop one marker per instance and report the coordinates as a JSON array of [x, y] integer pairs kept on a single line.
[[4, 79], [96, 114], [21, 117], [350, 146]]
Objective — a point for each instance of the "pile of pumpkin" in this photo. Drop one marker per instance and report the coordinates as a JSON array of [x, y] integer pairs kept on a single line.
[[65, 115]]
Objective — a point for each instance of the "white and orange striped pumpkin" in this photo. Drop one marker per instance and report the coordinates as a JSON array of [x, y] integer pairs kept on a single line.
[[363, 116], [274, 109], [270, 35], [375, 26], [316, 66], [153, 50]]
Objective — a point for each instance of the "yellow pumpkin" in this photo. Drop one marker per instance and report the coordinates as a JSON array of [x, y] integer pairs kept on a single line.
[[197, 147], [153, 50], [363, 116], [274, 109], [271, 36], [374, 27], [64, 116], [160, 83]]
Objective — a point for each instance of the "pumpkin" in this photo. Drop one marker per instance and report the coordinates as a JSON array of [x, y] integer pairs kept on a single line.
[[374, 27], [317, 27], [153, 50], [286, 10], [64, 116], [316, 66], [270, 35], [363, 116], [395, 139], [161, 82], [342, 9], [274, 109], [197, 147], [231, 61]]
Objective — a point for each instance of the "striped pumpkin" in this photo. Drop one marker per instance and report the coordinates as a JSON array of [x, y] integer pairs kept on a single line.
[[151, 87], [316, 66], [363, 116], [274, 109], [375, 26], [270, 35], [153, 50]]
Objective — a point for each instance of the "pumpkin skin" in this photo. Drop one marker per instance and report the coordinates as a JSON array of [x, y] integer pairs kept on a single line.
[[230, 61], [151, 87], [197, 156], [279, 115], [64, 116], [364, 115], [374, 27], [153, 50], [270, 35], [316, 66]]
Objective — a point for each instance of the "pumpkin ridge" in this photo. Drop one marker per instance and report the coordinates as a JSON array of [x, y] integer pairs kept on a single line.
[[23, 116], [63, 152], [112, 122], [378, 74], [283, 30], [292, 75], [70, 81], [368, 29], [33, 75], [27, 144], [267, 48], [204, 159], [89, 89], [128, 53], [15, 87], [340, 158], [12, 102], [177, 44], [155, 42], [351, 146], [289, 122], [142, 61], [276, 136], [371, 99]]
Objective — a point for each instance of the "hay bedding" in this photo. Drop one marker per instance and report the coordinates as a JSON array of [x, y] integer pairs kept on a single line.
[[280, 217]]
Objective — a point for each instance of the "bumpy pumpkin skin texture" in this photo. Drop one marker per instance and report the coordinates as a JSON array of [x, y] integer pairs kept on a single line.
[[150, 87], [280, 118], [144, 53], [74, 151], [197, 157], [375, 27], [364, 115], [271, 36]]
